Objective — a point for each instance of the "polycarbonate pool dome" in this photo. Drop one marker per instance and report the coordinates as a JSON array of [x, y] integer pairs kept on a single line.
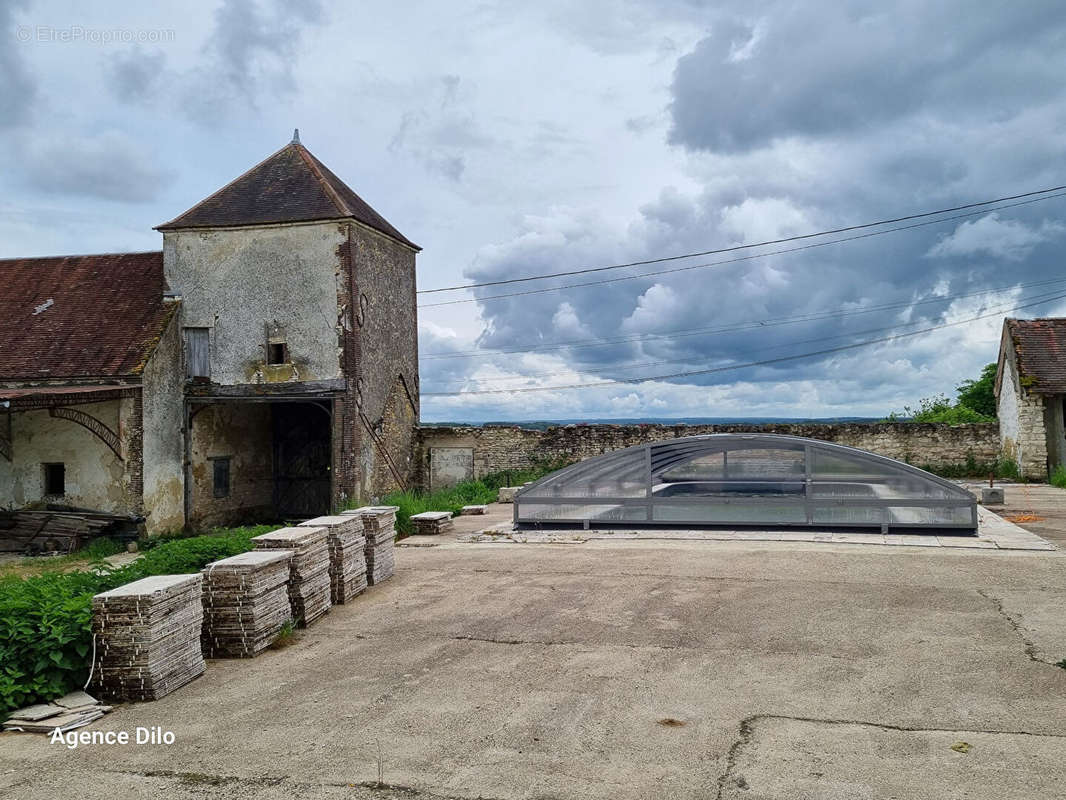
[[744, 480]]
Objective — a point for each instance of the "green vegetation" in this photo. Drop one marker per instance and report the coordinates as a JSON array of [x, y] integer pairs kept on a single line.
[[285, 637], [975, 402], [1004, 469], [1058, 477], [45, 620], [468, 493]]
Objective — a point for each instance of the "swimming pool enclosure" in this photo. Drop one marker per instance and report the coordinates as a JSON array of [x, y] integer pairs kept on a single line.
[[744, 480]]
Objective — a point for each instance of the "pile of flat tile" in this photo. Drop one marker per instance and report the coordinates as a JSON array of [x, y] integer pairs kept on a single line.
[[246, 603], [379, 528], [468, 511], [347, 554], [148, 637], [432, 523], [308, 570], [67, 713]]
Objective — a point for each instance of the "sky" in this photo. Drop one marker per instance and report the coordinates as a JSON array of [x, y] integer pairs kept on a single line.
[[517, 139]]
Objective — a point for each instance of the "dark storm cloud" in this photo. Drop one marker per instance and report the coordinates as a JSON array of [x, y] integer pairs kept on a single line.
[[17, 87], [801, 120], [800, 70], [135, 76]]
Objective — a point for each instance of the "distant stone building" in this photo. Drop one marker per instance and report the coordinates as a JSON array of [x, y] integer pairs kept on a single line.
[[264, 364], [1031, 394]]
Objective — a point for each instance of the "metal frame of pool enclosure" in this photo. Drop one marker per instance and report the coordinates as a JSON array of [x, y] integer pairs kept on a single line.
[[744, 480]]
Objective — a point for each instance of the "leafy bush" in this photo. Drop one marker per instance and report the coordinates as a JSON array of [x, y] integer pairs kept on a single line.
[[45, 620], [1058, 477], [976, 402]]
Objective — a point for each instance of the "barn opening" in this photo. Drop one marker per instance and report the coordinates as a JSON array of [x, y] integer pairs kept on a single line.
[[745, 480], [258, 461]]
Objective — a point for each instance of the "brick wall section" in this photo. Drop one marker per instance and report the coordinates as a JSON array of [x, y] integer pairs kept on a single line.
[[502, 448]]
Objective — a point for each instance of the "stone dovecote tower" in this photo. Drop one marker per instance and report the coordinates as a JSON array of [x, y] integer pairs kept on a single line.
[[300, 346]]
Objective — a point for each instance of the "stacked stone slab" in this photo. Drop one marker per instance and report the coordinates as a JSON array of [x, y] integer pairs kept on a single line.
[[468, 511], [246, 603], [308, 570], [147, 637], [432, 523], [347, 555], [379, 528]]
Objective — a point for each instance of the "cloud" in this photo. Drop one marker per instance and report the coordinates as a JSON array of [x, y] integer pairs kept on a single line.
[[775, 70], [107, 166], [136, 75], [18, 88], [1004, 239]]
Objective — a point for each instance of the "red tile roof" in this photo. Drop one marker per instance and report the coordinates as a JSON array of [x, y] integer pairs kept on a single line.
[[80, 316], [289, 186], [1040, 349]]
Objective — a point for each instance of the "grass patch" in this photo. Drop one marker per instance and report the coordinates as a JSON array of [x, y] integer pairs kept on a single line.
[[286, 636], [1058, 477], [1003, 469], [45, 619], [468, 493], [96, 550]]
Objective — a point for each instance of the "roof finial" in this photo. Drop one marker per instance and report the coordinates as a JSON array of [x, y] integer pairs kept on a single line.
[[295, 136]]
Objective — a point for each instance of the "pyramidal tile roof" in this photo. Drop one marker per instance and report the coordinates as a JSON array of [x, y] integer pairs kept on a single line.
[[289, 186], [1040, 348]]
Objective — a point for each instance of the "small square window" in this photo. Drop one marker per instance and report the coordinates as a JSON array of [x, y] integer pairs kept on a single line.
[[55, 479], [220, 471], [276, 353]]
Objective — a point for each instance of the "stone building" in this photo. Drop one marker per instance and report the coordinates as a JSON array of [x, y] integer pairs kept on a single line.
[[1031, 393], [263, 365]]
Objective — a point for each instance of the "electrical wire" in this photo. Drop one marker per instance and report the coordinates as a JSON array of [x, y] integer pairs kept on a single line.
[[739, 259], [739, 326], [586, 270], [732, 367]]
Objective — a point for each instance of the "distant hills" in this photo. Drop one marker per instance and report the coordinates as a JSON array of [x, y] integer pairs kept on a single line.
[[547, 423]]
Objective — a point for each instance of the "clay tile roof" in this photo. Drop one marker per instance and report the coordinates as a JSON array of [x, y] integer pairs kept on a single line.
[[1040, 349], [289, 186], [80, 316]]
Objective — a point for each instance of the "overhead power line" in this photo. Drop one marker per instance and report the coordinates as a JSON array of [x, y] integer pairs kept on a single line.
[[735, 248], [739, 259], [733, 367], [598, 341], [690, 359]]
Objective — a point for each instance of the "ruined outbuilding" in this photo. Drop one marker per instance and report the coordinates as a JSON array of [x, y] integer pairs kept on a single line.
[[1031, 394], [263, 365]]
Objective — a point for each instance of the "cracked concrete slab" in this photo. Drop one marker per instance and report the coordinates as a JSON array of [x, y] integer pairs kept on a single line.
[[535, 671], [778, 757]]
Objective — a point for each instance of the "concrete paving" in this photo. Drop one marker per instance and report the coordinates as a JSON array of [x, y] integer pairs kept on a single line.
[[619, 669]]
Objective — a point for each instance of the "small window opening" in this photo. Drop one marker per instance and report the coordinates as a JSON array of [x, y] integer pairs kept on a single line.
[[55, 479], [277, 353], [221, 476]]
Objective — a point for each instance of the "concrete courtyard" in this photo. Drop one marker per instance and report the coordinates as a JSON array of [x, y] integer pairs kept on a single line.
[[629, 669]]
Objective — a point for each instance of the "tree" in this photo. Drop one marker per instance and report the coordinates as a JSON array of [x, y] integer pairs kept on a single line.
[[980, 395]]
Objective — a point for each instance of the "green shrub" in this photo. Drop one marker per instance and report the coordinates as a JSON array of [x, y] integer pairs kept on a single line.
[[1004, 469], [1058, 477], [45, 620]]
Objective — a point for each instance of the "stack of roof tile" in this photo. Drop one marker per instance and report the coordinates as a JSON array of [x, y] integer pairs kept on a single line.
[[148, 637], [379, 527], [308, 570], [431, 523], [246, 603], [67, 713], [347, 554]]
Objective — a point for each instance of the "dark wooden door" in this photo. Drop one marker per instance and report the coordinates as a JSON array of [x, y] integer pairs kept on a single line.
[[302, 459]]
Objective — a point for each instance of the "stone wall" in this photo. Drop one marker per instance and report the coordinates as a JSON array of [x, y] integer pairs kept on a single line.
[[1023, 435], [495, 449]]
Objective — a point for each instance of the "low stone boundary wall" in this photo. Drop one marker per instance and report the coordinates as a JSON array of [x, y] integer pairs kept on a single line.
[[447, 455]]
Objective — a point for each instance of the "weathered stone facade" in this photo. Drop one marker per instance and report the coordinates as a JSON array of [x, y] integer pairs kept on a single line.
[[499, 448]]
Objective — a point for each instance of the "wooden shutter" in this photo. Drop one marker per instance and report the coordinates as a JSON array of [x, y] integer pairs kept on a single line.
[[198, 352]]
